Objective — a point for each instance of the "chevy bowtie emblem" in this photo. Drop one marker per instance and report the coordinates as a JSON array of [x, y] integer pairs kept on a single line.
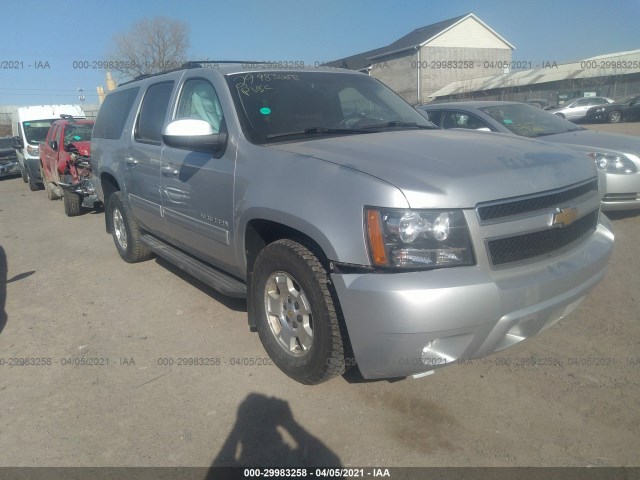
[[564, 216]]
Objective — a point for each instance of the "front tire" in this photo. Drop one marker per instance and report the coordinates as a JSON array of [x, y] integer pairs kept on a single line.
[[125, 231], [561, 115], [72, 203], [297, 320], [614, 117]]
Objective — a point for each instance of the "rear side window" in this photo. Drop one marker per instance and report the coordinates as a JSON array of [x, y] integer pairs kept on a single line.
[[153, 112], [113, 114]]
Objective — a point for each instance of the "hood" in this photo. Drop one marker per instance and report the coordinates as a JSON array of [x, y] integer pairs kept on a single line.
[[452, 168], [83, 147], [595, 139]]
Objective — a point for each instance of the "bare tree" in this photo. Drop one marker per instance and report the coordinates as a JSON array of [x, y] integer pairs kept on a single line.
[[151, 46]]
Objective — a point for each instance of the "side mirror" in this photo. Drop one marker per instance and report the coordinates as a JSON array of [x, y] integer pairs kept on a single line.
[[53, 144], [17, 143], [193, 134]]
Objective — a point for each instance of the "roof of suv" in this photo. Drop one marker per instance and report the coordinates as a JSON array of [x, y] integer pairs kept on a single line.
[[233, 67]]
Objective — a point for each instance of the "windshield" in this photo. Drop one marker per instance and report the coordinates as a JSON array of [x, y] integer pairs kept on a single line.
[[626, 99], [277, 105], [528, 121], [77, 133], [35, 131]]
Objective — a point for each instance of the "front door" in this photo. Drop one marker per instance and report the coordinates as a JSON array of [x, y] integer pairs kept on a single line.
[[197, 187]]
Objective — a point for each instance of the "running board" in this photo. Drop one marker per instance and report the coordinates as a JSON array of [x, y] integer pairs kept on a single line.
[[216, 279]]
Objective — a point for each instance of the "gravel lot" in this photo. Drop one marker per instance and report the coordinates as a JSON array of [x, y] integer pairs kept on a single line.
[[99, 336]]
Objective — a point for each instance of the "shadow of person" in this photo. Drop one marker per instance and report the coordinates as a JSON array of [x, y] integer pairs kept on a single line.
[[3, 287], [266, 435]]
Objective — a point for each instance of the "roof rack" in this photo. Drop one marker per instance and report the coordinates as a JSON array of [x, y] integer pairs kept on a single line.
[[191, 64]]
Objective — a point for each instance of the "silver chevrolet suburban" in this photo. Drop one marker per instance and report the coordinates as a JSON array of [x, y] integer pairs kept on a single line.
[[358, 233]]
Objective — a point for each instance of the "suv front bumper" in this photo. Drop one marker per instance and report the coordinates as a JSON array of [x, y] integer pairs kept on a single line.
[[402, 324]]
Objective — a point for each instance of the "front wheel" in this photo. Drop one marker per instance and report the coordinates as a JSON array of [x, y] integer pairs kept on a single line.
[[125, 231], [614, 117], [72, 203], [561, 115], [296, 317]]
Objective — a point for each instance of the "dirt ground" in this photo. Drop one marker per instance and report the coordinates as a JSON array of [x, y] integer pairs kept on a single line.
[[97, 369]]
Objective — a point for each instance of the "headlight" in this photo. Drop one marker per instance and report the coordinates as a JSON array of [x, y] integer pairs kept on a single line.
[[33, 151], [416, 239], [613, 163]]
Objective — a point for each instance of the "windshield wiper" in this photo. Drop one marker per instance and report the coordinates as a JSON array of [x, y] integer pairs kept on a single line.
[[313, 130], [397, 123]]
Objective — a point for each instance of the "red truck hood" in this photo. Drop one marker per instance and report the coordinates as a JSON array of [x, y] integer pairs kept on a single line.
[[84, 147]]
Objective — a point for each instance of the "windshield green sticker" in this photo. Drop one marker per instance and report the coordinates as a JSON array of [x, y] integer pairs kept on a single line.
[[77, 137], [265, 111], [506, 120]]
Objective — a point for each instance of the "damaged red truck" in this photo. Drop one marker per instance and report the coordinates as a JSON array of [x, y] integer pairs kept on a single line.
[[64, 160]]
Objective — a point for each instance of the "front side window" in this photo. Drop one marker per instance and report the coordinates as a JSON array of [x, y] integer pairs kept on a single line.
[[463, 120], [199, 100], [275, 105], [152, 113]]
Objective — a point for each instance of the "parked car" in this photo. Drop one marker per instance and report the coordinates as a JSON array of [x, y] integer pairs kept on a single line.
[[538, 102], [8, 160], [65, 166], [625, 109], [358, 233], [30, 126], [617, 156], [576, 109]]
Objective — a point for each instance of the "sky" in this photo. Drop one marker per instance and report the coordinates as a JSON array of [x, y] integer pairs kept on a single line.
[[44, 38]]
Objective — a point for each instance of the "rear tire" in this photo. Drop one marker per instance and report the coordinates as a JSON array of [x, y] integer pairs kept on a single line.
[[125, 231], [25, 177], [614, 117], [295, 314], [72, 203]]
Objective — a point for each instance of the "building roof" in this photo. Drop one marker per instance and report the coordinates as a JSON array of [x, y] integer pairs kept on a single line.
[[619, 63], [417, 38]]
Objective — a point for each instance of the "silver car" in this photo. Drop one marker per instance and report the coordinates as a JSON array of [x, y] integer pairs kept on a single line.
[[576, 110], [358, 232], [616, 156]]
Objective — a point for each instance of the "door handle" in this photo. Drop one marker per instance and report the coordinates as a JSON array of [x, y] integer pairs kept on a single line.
[[168, 170], [131, 161]]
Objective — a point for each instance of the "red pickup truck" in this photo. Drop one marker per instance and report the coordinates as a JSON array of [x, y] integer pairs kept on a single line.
[[64, 159]]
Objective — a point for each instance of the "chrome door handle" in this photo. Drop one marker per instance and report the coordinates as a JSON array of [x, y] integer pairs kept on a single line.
[[131, 161], [169, 170]]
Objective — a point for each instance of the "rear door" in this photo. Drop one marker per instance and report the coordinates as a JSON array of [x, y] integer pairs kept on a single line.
[[197, 187], [143, 158]]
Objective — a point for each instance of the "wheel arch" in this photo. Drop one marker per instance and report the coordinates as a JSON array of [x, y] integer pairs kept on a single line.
[[109, 186], [260, 231]]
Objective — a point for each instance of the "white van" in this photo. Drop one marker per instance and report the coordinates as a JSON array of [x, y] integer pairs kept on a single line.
[[30, 126]]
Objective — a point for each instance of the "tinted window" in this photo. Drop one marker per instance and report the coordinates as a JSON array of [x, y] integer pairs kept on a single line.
[[462, 120], [152, 113], [198, 100], [113, 114]]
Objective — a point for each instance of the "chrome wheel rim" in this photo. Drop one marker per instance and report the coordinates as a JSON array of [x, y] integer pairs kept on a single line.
[[288, 314], [615, 117], [119, 229]]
